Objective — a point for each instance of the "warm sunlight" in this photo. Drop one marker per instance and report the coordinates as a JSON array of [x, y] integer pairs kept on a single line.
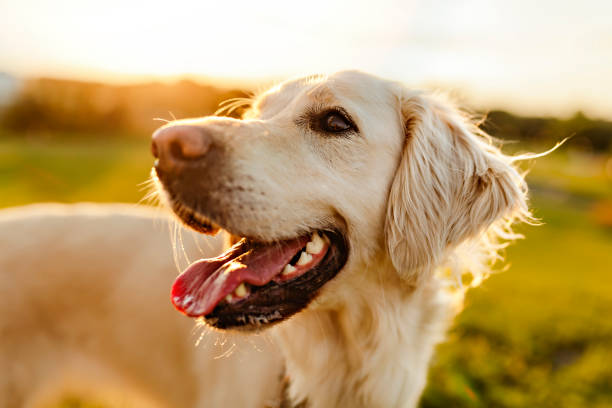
[[249, 203], [548, 57]]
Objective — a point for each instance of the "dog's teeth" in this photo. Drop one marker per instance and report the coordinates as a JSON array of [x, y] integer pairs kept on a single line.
[[241, 291], [315, 245], [229, 298], [289, 269], [305, 258], [187, 300]]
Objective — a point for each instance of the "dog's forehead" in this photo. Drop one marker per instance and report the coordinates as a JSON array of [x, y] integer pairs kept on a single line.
[[358, 86], [345, 87], [283, 94]]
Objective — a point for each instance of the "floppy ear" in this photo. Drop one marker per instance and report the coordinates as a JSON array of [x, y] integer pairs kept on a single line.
[[451, 185]]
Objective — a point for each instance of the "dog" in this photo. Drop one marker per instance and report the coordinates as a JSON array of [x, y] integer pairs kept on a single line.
[[357, 208], [86, 314]]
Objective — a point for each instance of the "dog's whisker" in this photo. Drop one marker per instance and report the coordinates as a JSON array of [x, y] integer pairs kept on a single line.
[[226, 353], [174, 225], [229, 105], [182, 246], [196, 240], [152, 198], [147, 183], [204, 333]]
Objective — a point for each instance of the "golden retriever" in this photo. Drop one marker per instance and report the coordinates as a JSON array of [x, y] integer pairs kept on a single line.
[[357, 207]]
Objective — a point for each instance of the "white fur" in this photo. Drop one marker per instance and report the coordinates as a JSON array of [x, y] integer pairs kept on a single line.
[[424, 197]]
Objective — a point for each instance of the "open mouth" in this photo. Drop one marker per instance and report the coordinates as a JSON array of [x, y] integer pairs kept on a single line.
[[255, 284]]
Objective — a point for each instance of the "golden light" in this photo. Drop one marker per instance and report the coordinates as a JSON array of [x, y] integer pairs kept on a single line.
[[548, 57]]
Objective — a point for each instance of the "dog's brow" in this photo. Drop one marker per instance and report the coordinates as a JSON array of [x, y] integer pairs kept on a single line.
[[322, 95]]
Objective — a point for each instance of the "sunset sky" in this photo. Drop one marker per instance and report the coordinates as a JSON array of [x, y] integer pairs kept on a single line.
[[530, 56]]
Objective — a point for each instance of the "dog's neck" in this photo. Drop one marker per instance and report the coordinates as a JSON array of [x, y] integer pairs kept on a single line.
[[372, 351]]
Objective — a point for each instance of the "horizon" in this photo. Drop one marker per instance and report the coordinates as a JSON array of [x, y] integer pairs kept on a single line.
[[544, 59], [254, 85]]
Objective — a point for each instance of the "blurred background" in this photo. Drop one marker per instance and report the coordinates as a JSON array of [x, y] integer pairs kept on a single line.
[[82, 83]]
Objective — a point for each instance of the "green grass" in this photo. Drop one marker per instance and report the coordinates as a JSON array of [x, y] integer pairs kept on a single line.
[[537, 335], [71, 170]]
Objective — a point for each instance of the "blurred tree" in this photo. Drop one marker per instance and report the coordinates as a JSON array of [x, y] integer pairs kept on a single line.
[[51, 105], [56, 105], [587, 134]]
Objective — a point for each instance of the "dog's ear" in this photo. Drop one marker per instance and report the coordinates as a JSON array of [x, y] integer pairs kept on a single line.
[[451, 185]]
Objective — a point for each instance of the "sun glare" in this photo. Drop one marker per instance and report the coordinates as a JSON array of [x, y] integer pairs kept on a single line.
[[524, 56]]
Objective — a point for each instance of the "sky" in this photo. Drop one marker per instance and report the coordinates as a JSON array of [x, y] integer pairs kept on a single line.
[[540, 57]]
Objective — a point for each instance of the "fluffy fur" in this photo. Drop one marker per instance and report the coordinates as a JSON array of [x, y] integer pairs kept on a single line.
[[84, 294], [424, 196]]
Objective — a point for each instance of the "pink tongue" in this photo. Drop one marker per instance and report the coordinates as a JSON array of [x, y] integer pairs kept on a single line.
[[206, 282]]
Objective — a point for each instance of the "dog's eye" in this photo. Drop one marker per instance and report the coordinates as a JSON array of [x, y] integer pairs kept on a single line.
[[335, 122]]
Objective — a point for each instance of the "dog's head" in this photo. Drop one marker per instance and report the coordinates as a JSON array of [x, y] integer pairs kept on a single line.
[[326, 176]]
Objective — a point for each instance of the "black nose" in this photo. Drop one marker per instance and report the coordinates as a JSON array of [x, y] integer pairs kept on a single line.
[[177, 145]]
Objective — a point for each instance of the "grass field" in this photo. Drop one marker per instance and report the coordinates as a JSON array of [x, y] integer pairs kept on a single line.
[[537, 335], [70, 170]]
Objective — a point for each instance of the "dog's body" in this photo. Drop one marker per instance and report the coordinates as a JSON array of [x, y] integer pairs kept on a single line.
[[399, 194], [86, 313], [84, 295]]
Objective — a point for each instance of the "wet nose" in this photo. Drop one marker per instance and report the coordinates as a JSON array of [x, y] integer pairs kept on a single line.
[[180, 144]]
